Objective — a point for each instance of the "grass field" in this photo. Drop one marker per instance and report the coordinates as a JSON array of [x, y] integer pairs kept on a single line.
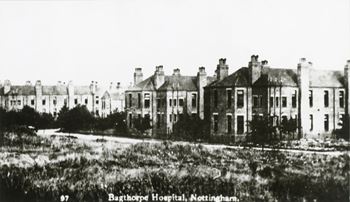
[[43, 168]]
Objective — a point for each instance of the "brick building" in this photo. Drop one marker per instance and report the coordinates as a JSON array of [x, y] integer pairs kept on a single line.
[[50, 99], [316, 98], [165, 98]]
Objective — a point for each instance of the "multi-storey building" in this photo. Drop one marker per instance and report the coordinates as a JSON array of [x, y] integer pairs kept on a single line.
[[50, 99], [318, 99], [164, 99]]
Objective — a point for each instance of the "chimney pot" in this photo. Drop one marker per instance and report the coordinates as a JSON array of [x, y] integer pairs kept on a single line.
[[176, 72]]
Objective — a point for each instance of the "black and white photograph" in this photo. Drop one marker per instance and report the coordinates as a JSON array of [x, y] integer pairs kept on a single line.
[[174, 100]]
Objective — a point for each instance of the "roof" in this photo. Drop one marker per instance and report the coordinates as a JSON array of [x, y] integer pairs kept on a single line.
[[54, 90], [178, 82], [82, 90], [326, 78], [288, 77], [238, 78], [20, 90], [273, 76]]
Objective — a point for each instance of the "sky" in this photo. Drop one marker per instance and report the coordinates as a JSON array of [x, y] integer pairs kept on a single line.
[[104, 41]]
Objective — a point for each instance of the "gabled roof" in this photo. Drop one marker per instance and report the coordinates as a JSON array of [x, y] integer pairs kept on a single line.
[[20, 90], [274, 76], [54, 90], [286, 77], [117, 95], [179, 82], [326, 78], [238, 78], [82, 90]]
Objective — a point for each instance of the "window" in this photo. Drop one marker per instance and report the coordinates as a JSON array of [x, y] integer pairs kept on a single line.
[[271, 101], [98, 101], [130, 119], [75, 101], [294, 99], [139, 100], [216, 123], [44, 102], [215, 98], [255, 101], [240, 124], [229, 123], [311, 122], [175, 117], [181, 102], [240, 98], [310, 98], [229, 98], [341, 119], [158, 120], [261, 101], [194, 100], [326, 122], [130, 100], [326, 98], [170, 117], [341, 99], [284, 101], [97, 112], [174, 102], [170, 102], [86, 101], [277, 101], [146, 100], [158, 103], [54, 102], [18, 102], [32, 102], [103, 104]]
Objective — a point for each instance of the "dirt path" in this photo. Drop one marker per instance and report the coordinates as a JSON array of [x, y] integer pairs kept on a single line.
[[124, 140]]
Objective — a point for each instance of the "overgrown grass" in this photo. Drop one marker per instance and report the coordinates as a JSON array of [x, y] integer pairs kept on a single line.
[[88, 172]]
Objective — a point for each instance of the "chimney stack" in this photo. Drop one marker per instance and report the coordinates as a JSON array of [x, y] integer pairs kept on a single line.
[[255, 68], [201, 83], [138, 76], [7, 86], [159, 77], [303, 98], [28, 83], [70, 95], [176, 72], [221, 69], [347, 89]]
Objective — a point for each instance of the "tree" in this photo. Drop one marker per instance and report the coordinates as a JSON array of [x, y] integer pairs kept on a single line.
[[142, 124], [78, 118], [343, 132], [289, 127], [190, 128], [260, 128]]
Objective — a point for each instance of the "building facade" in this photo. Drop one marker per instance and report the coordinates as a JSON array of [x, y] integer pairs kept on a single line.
[[50, 99], [165, 98], [317, 99]]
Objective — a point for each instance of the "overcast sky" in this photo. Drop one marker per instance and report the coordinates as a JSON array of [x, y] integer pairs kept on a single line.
[[86, 40]]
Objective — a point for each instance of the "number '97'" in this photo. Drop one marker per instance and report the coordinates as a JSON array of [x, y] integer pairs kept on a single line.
[[64, 198]]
